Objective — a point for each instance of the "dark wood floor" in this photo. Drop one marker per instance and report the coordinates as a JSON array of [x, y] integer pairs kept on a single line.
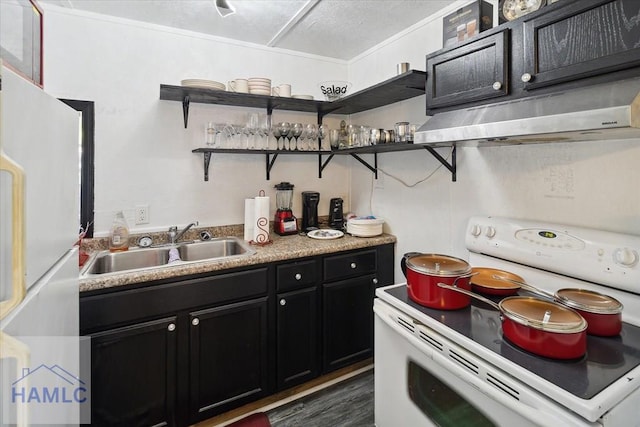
[[349, 403]]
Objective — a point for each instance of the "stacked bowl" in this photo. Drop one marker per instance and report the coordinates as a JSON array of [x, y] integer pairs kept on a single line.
[[260, 86]]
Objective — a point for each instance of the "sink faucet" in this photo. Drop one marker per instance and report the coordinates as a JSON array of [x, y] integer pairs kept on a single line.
[[174, 235]]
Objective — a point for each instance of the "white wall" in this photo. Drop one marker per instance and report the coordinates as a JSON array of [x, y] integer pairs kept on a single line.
[[143, 153], [591, 184]]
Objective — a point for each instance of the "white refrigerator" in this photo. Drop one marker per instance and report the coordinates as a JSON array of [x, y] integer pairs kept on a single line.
[[39, 221]]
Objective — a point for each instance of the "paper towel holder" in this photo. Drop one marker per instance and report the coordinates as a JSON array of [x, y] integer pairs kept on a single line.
[[262, 223]]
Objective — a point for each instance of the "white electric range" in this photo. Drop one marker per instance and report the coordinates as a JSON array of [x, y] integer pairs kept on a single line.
[[453, 368]]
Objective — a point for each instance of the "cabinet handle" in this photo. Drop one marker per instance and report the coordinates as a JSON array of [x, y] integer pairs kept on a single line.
[[298, 276], [195, 321], [171, 327], [283, 301], [353, 265], [526, 77], [497, 85], [375, 281]]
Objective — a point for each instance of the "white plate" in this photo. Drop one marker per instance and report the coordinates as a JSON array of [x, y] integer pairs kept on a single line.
[[201, 82], [325, 234]]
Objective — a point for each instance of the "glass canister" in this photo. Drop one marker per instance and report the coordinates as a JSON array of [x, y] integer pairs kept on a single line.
[[401, 131]]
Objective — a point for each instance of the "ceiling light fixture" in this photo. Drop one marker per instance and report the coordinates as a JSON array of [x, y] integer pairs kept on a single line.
[[224, 8]]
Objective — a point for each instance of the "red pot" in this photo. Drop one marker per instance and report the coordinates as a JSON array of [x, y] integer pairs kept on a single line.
[[602, 312], [491, 281], [425, 271], [541, 327]]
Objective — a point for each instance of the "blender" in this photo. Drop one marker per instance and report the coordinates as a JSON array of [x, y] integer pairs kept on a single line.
[[284, 222]]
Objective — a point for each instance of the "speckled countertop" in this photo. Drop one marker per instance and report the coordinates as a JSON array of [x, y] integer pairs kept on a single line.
[[282, 248]]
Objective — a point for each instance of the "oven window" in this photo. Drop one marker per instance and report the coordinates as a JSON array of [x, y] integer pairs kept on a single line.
[[440, 403]]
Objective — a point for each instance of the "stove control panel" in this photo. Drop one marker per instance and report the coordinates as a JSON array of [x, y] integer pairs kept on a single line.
[[602, 257]]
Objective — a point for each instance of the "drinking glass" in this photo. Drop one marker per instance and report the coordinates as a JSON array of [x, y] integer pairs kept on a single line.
[[253, 123], [283, 130], [296, 132], [210, 134], [311, 133], [323, 134], [334, 138]]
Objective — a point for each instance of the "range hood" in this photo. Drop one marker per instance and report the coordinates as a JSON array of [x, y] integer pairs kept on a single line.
[[604, 111]]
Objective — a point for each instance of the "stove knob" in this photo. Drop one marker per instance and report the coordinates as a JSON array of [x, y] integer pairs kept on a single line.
[[626, 257], [476, 230], [491, 232]]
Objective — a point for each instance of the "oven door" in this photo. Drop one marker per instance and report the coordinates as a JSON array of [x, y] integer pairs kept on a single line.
[[421, 378]]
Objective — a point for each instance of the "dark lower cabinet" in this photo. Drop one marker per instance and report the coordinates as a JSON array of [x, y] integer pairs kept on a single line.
[[228, 357], [133, 375], [297, 337], [347, 335], [173, 353]]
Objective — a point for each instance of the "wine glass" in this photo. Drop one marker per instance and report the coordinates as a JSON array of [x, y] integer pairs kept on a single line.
[[311, 132], [283, 130], [264, 127], [323, 134], [253, 123], [296, 130]]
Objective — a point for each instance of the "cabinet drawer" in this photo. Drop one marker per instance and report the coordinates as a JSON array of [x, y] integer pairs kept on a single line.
[[123, 307], [350, 265], [296, 275]]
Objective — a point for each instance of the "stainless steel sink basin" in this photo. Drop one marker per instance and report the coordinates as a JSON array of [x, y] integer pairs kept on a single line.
[[135, 259], [217, 248]]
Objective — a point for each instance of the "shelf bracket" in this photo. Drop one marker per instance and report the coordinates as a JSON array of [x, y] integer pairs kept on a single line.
[[270, 164], [185, 110], [207, 160], [451, 166], [322, 165], [373, 168]]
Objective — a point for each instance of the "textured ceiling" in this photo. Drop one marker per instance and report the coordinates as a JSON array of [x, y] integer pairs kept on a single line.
[[339, 29]]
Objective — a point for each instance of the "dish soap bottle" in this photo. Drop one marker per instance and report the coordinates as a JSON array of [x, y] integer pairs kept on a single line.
[[119, 236]]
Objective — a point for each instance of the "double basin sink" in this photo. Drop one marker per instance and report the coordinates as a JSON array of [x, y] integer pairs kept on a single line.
[[221, 249]]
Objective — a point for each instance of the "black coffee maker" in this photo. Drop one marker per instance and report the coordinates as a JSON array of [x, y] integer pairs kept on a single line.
[[336, 216], [310, 201]]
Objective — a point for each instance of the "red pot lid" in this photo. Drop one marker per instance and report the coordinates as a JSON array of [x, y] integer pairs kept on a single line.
[[438, 265]]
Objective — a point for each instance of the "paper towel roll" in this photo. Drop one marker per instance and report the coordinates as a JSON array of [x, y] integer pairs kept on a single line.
[[261, 222], [249, 219]]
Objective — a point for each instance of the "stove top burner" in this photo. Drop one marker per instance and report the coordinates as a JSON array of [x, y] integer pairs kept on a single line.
[[606, 360]]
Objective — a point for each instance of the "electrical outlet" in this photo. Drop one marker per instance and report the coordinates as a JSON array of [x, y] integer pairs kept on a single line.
[[142, 214]]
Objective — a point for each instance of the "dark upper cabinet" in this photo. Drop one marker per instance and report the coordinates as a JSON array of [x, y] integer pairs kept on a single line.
[[474, 71], [228, 357], [569, 43], [133, 376], [583, 39]]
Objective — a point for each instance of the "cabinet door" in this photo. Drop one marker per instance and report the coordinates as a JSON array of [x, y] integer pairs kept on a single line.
[[228, 357], [583, 39], [347, 335], [475, 71], [297, 320], [133, 375]]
